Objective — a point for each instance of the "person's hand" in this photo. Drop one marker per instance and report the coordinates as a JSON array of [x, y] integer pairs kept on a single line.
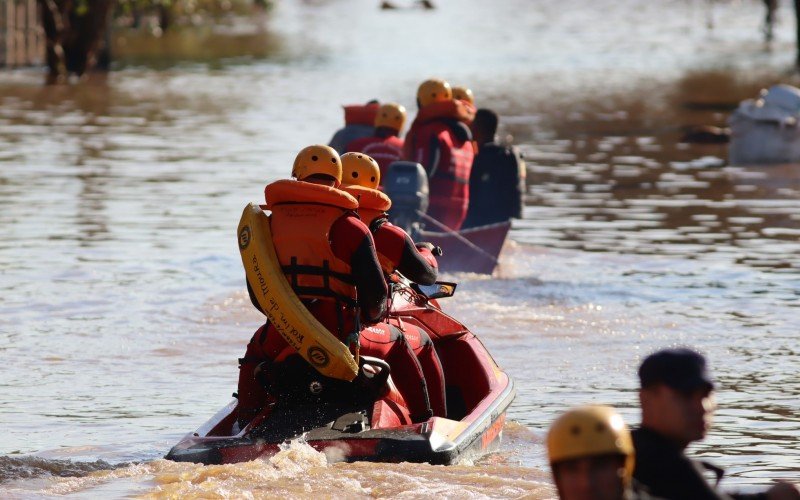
[[783, 491], [430, 246]]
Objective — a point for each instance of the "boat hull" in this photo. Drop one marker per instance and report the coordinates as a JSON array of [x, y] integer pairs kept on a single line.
[[473, 250]]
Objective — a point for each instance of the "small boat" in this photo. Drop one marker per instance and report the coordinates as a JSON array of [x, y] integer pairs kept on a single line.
[[474, 250], [366, 420]]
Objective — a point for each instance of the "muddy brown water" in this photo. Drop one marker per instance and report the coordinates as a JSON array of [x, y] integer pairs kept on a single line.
[[122, 309]]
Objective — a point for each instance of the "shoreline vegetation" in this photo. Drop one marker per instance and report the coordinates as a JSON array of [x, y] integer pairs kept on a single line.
[[79, 33]]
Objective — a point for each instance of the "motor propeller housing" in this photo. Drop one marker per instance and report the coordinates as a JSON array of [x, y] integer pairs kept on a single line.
[[407, 185]]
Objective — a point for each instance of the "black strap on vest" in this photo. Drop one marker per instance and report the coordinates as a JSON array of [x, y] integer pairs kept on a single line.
[[377, 223], [294, 270]]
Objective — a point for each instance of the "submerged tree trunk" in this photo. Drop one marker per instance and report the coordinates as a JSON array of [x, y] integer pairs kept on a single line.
[[76, 35]]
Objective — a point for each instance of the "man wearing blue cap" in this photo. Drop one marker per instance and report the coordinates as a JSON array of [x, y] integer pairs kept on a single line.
[[677, 403]]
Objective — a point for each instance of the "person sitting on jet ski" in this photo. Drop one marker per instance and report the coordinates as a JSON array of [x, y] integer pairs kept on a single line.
[[396, 251], [328, 256], [385, 145]]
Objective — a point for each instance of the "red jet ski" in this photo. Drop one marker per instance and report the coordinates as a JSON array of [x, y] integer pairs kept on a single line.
[[366, 420]]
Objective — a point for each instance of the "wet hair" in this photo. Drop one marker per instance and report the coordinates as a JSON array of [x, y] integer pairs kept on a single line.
[[485, 122]]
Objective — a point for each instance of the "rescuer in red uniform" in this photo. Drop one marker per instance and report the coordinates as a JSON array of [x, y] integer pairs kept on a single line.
[[396, 252], [328, 255], [385, 146], [441, 141]]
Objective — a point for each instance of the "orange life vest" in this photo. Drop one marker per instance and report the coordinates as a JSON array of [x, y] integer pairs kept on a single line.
[[372, 208], [302, 216]]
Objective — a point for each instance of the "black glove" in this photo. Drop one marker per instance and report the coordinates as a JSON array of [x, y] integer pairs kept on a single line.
[[435, 250]]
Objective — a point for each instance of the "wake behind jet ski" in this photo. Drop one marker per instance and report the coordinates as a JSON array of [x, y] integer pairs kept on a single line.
[[367, 420]]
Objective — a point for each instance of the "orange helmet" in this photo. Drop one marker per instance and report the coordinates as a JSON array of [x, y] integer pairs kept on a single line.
[[433, 90], [316, 160], [359, 169], [463, 94], [391, 115]]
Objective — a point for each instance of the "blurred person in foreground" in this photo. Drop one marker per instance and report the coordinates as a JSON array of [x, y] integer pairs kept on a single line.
[[497, 180], [677, 402], [591, 455]]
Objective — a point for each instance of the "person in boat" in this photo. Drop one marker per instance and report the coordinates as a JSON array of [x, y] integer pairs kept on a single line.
[[497, 180], [359, 122], [397, 252], [328, 255], [677, 402], [464, 94], [591, 455], [440, 140], [385, 145]]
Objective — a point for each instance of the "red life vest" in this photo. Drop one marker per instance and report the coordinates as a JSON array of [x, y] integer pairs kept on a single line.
[[384, 150], [435, 126], [302, 216]]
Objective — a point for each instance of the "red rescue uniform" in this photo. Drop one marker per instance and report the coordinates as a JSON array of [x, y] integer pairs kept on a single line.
[[440, 140], [397, 252]]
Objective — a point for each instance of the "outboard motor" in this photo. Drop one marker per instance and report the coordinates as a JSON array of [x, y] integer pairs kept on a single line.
[[407, 186]]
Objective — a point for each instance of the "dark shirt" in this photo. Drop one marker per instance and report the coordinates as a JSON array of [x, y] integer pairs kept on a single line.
[[496, 186], [348, 134], [666, 472]]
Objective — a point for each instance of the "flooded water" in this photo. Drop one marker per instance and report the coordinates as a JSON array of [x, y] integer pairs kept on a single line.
[[122, 308]]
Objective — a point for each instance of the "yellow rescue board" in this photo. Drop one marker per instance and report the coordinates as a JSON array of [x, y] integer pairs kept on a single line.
[[327, 354]]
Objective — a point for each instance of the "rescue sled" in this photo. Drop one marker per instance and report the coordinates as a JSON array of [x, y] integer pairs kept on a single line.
[[366, 420], [474, 250]]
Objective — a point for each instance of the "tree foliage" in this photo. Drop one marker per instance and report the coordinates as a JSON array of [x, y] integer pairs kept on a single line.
[[179, 8]]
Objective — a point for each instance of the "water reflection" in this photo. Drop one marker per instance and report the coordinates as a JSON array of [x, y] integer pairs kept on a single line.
[[621, 181], [123, 309]]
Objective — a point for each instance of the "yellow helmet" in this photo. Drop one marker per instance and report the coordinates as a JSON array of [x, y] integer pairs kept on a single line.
[[433, 90], [359, 169], [463, 94], [317, 159], [587, 431], [391, 115]]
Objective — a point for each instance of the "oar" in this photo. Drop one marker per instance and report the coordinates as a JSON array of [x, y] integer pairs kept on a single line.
[[458, 236]]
